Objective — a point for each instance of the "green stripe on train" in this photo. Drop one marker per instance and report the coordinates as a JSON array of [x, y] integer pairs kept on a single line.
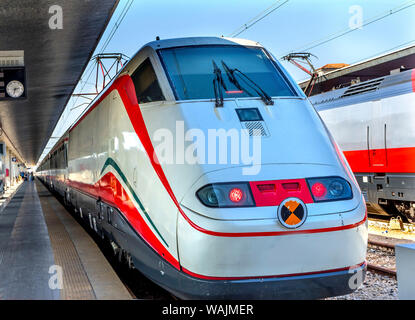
[[112, 163]]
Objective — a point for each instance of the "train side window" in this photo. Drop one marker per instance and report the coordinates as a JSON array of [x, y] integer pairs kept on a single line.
[[146, 84]]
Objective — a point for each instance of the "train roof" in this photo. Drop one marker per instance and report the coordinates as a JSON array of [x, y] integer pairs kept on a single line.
[[198, 41], [387, 86], [368, 69]]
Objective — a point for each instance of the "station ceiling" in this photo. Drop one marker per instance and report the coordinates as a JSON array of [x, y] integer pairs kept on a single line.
[[54, 60]]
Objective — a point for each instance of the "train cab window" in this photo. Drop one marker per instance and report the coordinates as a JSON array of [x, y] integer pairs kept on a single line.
[[192, 70], [146, 84]]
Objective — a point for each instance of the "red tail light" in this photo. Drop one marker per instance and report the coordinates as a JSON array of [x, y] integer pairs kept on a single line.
[[318, 190], [236, 195]]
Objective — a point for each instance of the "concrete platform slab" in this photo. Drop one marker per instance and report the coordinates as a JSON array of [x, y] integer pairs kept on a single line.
[[41, 244]]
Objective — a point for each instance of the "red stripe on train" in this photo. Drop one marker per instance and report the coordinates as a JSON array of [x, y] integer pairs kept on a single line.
[[279, 233], [360, 265], [110, 190], [382, 160]]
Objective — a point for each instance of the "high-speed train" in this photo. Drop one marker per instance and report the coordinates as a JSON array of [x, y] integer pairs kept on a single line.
[[292, 225], [374, 124]]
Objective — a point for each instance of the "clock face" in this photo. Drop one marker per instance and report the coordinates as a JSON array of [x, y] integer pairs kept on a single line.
[[15, 89]]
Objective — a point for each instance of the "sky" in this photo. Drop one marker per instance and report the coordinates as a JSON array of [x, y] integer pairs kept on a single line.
[[290, 28]]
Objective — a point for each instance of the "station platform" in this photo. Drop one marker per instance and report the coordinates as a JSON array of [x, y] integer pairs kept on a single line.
[[46, 255]]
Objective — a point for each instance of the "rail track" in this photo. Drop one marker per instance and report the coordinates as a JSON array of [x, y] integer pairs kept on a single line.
[[384, 240], [381, 244], [380, 269], [386, 246]]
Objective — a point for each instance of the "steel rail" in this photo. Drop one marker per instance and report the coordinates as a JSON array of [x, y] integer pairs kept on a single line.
[[379, 269]]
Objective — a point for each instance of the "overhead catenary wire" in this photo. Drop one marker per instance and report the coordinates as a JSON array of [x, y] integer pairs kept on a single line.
[[110, 36], [257, 18], [115, 27], [344, 32], [117, 24]]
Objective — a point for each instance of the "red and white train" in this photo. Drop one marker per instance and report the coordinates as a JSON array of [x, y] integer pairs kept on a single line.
[[296, 229], [374, 124]]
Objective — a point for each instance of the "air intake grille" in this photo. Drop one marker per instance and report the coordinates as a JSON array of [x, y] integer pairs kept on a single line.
[[363, 87], [255, 128]]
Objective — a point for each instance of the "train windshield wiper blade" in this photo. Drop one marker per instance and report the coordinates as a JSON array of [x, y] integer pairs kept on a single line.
[[218, 85], [231, 75]]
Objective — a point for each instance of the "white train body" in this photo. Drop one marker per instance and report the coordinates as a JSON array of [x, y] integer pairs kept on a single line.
[[157, 212], [373, 122]]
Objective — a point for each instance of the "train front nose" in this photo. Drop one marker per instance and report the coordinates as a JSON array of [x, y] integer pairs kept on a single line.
[[255, 241]]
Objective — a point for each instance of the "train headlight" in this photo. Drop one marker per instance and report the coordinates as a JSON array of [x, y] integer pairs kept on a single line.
[[226, 195], [329, 189], [211, 197], [336, 188]]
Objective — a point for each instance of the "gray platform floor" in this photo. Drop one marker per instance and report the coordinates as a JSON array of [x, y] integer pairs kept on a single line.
[[46, 254]]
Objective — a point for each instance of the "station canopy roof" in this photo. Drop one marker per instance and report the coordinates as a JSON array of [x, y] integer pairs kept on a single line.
[[54, 60]]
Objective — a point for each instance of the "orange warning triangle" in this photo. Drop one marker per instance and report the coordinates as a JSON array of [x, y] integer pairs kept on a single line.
[[291, 205], [292, 220]]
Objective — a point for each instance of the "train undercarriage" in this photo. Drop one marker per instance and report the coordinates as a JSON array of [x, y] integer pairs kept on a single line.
[[389, 194]]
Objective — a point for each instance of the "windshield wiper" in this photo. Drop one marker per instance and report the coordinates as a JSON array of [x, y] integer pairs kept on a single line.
[[217, 83], [231, 75]]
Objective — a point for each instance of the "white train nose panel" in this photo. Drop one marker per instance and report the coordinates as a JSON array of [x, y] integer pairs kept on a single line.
[[291, 132], [293, 135]]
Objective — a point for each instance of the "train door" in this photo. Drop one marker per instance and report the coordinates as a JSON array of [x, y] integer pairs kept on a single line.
[[376, 138]]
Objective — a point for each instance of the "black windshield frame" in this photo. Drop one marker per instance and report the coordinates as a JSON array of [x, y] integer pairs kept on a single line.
[[278, 69]]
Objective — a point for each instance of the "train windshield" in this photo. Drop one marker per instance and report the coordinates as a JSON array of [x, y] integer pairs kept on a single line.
[[242, 72]]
